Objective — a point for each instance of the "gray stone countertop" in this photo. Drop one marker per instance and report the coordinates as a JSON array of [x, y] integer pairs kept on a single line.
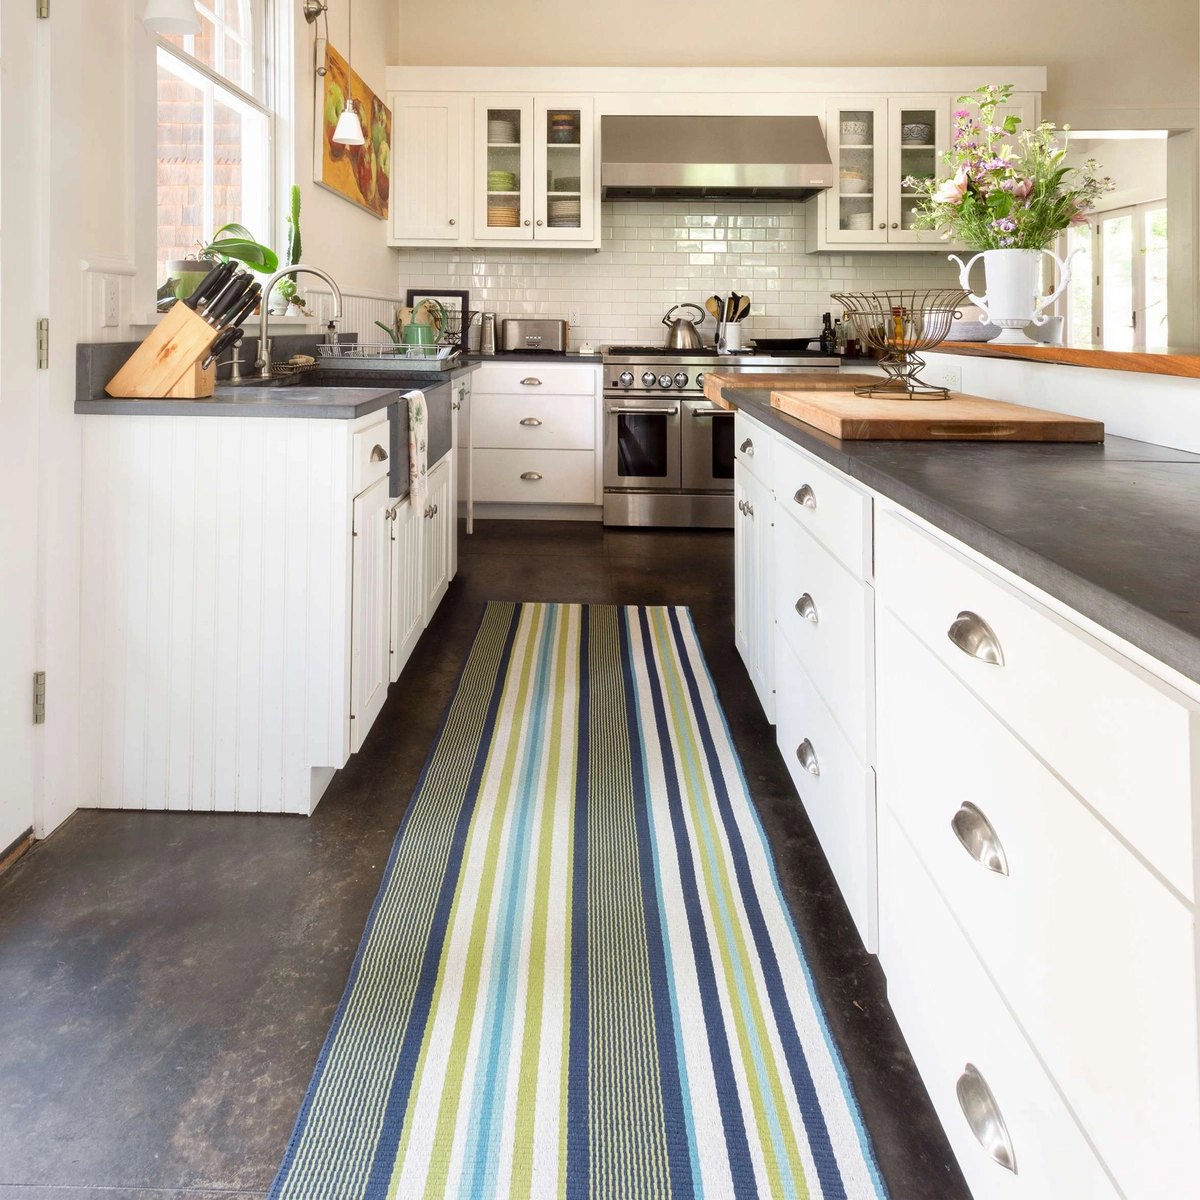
[[546, 356], [1112, 530], [339, 403]]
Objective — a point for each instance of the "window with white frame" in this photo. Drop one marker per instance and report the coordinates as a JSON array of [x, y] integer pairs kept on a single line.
[[215, 161], [1117, 298]]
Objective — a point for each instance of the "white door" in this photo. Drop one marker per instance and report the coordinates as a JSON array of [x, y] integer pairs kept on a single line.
[[918, 136], [856, 205], [563, 170], [370, 630], [408, 588], [745, 570], [503, 186], [22, 276], [425, 204], [439, 526], [760, 510]]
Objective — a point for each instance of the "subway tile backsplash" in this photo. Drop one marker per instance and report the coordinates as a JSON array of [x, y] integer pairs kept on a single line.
[[657, 254]]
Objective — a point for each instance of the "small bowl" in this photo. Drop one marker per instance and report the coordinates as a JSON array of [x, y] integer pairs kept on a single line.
[[916, 133], [851, 182], [856, 133]]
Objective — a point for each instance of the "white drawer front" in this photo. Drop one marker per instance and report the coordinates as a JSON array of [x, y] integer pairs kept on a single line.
[[840, 798], [826, 503], [539, 422], [535, 476], [1089, 949], [1124, 740], [828, 617], [752, 447], [535, 378], [951, 1017], [371, 448]]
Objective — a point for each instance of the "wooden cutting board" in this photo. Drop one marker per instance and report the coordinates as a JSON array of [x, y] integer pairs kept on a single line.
[[959, 418], [782, 381]]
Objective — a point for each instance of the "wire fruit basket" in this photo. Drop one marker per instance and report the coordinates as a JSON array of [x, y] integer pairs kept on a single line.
[[900, 323]]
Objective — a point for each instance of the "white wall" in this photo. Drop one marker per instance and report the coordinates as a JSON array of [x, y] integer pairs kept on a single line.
[[657, 254], [1111, 64]]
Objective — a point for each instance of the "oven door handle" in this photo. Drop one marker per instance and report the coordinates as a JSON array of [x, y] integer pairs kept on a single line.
[[644, 412], [711, 412]]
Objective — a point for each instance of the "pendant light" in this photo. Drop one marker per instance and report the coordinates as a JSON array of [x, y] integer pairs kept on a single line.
[[349, 131], [171, 16]]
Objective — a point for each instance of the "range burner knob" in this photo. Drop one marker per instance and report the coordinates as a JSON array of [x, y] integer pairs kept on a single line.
[[625, 379], [648, 379], [681, 378], [700, 380], [664, 381]]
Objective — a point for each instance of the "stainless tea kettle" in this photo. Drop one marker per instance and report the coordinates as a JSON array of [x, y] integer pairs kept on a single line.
[[682, 333]]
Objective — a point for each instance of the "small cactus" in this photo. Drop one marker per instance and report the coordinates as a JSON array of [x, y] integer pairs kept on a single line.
[[294, 244]]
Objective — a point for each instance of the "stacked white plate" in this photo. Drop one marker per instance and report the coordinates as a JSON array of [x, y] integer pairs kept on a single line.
[[563, 213], [502, 131]]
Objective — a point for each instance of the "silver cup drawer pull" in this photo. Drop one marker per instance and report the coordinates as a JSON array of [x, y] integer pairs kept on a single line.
[[747, 448], [808, 757], [378, 453], [532, 476], [978, 838], [530, 421], [806, 608], [974, 636], [805, 496], [531, 380], [983, 1116]]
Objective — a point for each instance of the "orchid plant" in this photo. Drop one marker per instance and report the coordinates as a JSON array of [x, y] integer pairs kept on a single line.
[[1008, 190]]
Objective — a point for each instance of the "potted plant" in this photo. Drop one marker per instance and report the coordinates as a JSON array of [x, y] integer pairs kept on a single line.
[[1009, 195], [232, 241], [284, 294]]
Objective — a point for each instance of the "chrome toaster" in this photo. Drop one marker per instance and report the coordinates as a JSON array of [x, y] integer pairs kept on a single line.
[[520, 333]]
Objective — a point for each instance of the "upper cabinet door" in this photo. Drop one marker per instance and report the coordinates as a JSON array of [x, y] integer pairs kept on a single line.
[[856, 205], [918, 136], [564, 169], [425, 205], [504, 187]]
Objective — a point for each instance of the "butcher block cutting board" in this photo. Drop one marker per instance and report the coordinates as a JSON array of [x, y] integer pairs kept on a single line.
[[958, 418], [782, 381]]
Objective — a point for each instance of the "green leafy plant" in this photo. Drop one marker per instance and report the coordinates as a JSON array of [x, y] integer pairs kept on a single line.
[[1007, 190], [237, 242]]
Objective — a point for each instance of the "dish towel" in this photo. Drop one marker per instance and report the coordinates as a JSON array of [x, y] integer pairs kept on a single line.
[[418, 450]]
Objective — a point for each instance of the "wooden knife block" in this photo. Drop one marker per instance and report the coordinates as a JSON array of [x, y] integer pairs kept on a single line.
[[168, 362]]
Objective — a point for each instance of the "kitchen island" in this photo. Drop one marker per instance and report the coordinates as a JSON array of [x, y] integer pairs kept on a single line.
[[983, 664], [256, 574]]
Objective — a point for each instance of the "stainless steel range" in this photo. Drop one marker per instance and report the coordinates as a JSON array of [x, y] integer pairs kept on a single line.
[[668, 452]]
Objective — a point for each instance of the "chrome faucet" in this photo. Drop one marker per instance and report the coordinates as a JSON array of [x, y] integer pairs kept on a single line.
[[262, 364]]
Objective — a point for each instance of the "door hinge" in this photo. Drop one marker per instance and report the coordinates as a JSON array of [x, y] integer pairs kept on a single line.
[[43, 343], [39, 697], [43, 9]]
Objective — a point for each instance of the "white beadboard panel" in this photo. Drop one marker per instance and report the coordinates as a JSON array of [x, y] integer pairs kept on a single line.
[[360, 311], [655, 254], [216, 590]]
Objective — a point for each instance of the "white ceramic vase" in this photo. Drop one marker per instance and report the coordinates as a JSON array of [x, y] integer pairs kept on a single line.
[[1011, 301]]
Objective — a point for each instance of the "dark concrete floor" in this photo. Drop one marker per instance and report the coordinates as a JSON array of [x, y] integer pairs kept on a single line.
[[166, 980]]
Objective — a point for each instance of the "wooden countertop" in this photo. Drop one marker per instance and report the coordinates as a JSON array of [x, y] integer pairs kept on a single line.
[[1185, 364]]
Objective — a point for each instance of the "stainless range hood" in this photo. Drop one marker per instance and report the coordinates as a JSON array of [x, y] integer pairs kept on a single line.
[[737, 158]]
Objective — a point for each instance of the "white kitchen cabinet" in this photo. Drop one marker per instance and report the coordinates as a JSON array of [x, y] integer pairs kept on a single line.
[[439, 520], [876, 142], [407, 583], [753, 600], [370, 620], [426, 196], [534, 169]]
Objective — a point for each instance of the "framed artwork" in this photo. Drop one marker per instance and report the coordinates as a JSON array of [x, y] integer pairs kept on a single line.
[[362, 174], [457, 305]]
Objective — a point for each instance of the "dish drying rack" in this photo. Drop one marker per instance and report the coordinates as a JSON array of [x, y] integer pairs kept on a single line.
[[387, 356], [900, 323]]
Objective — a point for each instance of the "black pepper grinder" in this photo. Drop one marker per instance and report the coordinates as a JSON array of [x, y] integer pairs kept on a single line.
[[828, 336]]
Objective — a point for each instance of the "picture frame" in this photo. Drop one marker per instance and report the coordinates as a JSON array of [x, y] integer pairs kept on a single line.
[[456, 303]]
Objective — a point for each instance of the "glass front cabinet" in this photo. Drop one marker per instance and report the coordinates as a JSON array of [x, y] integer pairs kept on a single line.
[[534, 171]]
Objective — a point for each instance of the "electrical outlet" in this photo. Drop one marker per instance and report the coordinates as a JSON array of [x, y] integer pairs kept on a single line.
[[947, 377], [112, 303], [573, 316]]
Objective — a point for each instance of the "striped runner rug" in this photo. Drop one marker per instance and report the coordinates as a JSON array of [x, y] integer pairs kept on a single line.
[[579, 978]]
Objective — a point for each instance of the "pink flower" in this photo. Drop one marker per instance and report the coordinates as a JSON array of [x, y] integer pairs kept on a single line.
[[951, 191], [1022, 189]]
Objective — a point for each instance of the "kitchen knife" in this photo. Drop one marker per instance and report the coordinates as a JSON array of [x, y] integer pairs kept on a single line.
[[220, 295], [209, 285], [230, 336], [249, 301], [229, 301]]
